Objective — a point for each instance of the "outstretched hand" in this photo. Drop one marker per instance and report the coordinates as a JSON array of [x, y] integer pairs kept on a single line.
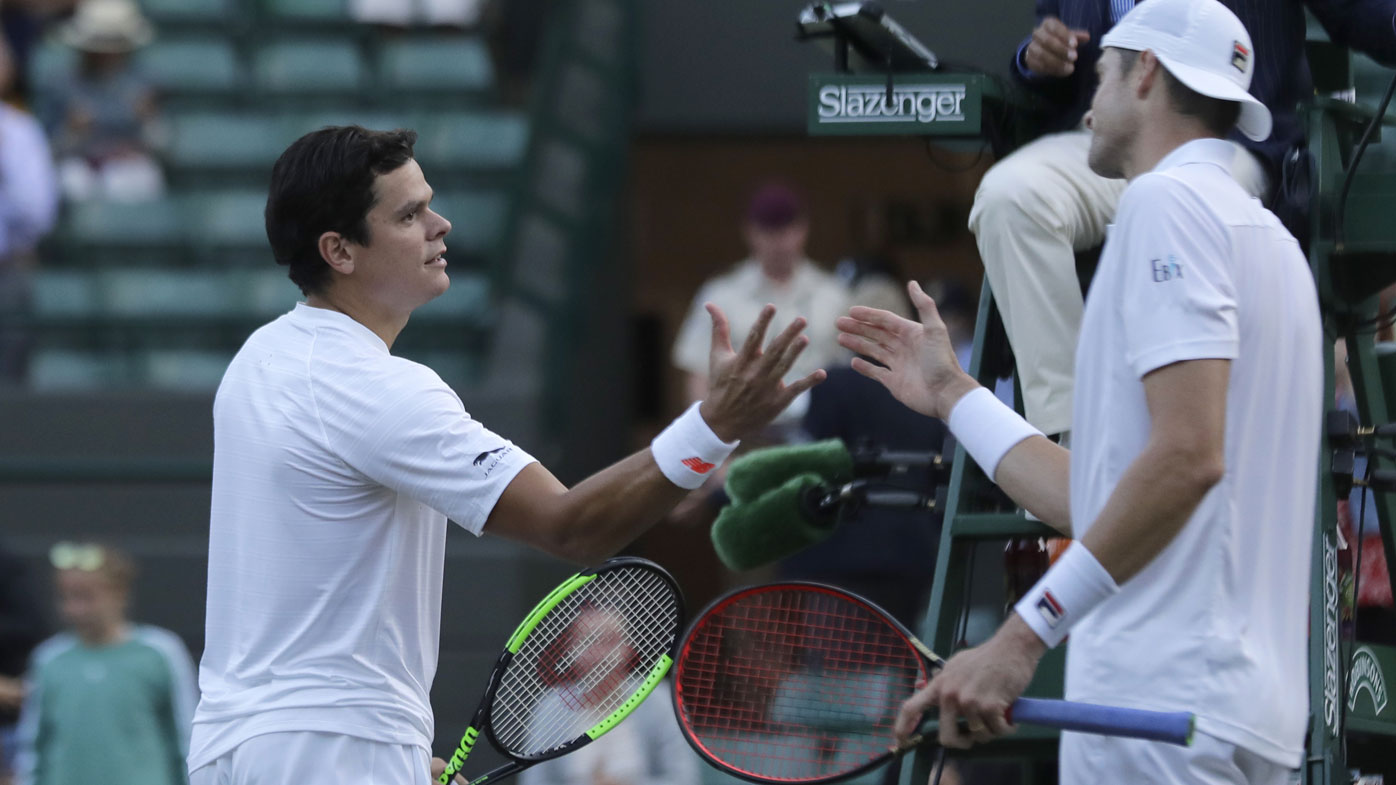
[[745, 388], [915, 361]]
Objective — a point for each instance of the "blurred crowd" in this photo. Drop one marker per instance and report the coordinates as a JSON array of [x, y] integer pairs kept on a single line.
[[81, 121]]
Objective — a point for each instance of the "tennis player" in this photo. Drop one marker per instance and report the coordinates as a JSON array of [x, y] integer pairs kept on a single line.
[[1190, 483], [336, 466]]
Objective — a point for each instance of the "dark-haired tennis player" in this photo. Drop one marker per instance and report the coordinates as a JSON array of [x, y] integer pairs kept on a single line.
[[1190, 483], [336, 466]]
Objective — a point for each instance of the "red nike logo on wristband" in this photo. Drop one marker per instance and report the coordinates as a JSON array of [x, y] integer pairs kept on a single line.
[[698, 465]]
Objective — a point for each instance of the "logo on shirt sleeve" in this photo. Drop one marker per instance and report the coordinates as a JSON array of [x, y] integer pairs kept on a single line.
[[1051, 610], [1167, 269], [491, 458]]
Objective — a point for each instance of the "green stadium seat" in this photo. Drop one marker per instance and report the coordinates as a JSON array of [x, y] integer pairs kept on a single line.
[[158, 292], [300, 68], [99, 232], [230, 142], [298, 125], [315, 11], [206, 66], [64, 293], [228, 221], [435, 67], [456, 368], [55, 369], [185, 369], [477, 222], [268, 292], [467, 299], [204, 12], [472, 140], [1371, 80]]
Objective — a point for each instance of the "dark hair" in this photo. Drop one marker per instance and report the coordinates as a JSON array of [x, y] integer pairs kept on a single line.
[[1216, 115], [324, 183]]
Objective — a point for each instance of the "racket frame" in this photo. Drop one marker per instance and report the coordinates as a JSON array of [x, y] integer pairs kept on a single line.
[[930, 662], [480, 724], [1170, 727]]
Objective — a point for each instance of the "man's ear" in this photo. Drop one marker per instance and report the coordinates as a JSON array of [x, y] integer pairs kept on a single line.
[[1146, 73], [334, 249]]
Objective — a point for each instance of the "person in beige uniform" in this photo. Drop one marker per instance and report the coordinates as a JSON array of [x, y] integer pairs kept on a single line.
[[776, 227]]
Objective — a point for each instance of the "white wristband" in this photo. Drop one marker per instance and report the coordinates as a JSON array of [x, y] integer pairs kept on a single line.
[[1066, 594], [688, 450], [987, 428]]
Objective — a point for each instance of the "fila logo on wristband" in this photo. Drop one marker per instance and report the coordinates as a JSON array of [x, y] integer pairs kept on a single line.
[[1051, 610], [698, 464]]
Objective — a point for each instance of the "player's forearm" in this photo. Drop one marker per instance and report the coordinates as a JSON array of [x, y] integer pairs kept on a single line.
[[1152, 502], [1032, 470], [1037, 475], [611, 509]]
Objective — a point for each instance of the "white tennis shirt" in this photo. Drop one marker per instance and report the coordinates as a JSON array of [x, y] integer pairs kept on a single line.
[[1193, 269], [335, 467]]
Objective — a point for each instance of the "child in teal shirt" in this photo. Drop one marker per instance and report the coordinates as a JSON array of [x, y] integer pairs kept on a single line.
[[107, 700]]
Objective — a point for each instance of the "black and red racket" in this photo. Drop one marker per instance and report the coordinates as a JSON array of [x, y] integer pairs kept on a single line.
[[802, 682]]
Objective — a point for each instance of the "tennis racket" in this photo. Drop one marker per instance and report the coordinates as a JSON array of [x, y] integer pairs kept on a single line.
[[801, 683], [585, 657]]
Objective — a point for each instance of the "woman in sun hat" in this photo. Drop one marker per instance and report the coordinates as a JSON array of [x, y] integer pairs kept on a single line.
[[102, 115]]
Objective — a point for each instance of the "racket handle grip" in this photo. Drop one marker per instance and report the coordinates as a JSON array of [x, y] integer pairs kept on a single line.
[[1174, 727]]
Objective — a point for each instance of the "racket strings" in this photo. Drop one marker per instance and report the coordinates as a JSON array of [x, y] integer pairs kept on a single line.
[[794, 684], [585, 660]]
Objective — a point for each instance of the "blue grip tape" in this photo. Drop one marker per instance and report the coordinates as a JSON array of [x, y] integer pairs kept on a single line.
[[1175, 727]]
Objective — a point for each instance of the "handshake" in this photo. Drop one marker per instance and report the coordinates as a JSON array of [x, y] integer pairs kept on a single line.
[[785, 499]]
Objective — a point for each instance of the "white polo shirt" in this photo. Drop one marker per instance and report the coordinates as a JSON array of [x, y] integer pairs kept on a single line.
[[1194, 268], [335, 467]]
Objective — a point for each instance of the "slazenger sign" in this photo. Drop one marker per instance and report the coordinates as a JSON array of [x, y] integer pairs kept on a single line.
[[1330, 634], [917, 105], [909, 104]]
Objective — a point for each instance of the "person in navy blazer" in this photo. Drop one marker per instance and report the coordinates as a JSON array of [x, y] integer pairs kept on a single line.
[[1039, 206]]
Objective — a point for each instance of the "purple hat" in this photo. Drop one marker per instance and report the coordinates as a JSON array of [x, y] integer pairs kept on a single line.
[[775, 206]]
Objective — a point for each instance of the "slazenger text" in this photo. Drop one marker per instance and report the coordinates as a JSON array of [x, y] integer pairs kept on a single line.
[[937, 103], [1330, 634]]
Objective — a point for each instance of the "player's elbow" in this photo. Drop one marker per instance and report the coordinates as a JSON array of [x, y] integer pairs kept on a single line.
[[1196, 465], [579, 550], [1207, 472], [576, 543]]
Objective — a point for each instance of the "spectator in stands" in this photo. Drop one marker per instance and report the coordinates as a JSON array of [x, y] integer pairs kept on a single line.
[[28, 208], [22, 627], [406, 13], [103, 116], [108, 700], [1040, 205], [777, 271]]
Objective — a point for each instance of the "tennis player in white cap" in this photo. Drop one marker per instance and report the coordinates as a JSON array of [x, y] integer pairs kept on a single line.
[[1190, 483]]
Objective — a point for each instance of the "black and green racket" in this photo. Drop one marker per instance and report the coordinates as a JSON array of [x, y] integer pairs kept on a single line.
[[581, 662]]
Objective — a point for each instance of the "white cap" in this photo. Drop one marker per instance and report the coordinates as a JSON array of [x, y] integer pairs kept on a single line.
[[1204, 46]]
